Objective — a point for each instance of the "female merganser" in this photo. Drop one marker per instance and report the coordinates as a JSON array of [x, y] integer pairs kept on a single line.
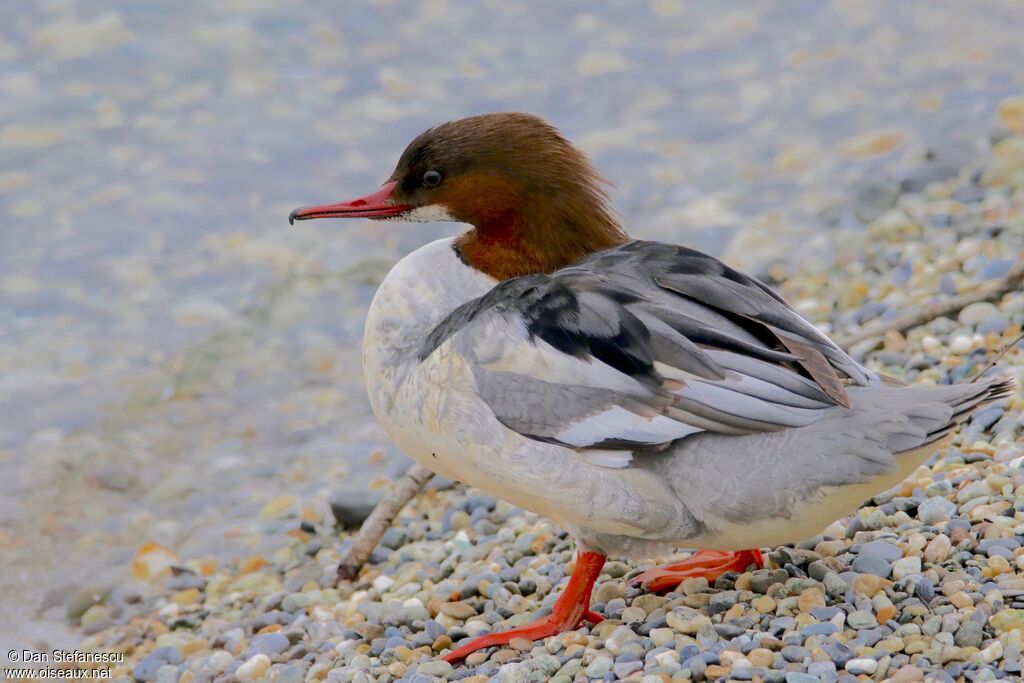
[[643, 395]]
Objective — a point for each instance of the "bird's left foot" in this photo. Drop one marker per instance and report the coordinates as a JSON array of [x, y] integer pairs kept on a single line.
[[709, 564], [570, 610]]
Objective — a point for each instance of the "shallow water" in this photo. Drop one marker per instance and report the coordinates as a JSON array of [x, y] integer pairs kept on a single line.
[[173, 356]]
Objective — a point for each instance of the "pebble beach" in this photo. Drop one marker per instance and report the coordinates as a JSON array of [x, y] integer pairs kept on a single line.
[[926, 582], [183, 430]]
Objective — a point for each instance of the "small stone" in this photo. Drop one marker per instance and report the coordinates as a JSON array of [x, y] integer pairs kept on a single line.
[[268, 644], [1011, 113], [436, 667], [715, 671], [969, 634], [799, 677], [822, 669], [977, 313], [761, 656], [764, 604], [887, 551], [521, 644], [907, 673], [938, 549], [686, 620], [601, 665], [458, 610], [871, 564], [961, 600], [148, 666], [253, 668], [861, 619], [662, 637], [811, 598], [861, 665], [906, 567], [991, 653], [351, 509]]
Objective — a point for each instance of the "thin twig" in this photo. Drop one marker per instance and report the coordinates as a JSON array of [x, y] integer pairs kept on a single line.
[[988, 291], [998, 357], [401, 492]]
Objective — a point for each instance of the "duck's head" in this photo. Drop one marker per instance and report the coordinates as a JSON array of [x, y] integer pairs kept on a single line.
[[535, 202]]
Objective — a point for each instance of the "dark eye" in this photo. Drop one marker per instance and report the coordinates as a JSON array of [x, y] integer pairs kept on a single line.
[[431, 179]]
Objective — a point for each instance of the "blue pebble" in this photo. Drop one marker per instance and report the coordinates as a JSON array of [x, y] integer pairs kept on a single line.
[[996, 268], [819, 630], [887, 551], [146, 669], [268, 644], [822, 669], [825, 613], [798, 677], [872, 564]]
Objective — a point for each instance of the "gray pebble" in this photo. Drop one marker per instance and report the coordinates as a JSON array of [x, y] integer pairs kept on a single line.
[[872, 564], [934, 510], [268, 644], [887, 551], [148, 668], [969, 635]]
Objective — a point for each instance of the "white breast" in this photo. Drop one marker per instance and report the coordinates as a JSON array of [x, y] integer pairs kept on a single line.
[[432, 410]]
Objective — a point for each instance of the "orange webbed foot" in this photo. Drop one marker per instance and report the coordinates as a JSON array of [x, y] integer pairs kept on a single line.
[[569, 612], [709, 564]]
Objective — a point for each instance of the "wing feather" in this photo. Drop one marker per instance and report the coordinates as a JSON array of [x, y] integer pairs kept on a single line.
[[642, 345]]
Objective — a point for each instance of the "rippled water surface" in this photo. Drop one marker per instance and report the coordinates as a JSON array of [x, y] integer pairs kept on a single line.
[[174, 357]]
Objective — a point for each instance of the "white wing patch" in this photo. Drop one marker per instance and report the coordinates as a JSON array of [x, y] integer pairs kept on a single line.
[[617, 423]]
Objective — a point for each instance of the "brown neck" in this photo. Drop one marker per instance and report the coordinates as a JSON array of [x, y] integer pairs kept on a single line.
[[537, 239]]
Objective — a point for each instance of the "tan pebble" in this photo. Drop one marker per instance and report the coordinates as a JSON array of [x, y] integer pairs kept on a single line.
[[715, 671], [458, 610], [277, 506], [153, 561], [253, 668], [830, 548], [961, 600], [694, 585], [810, 599], [761, 657], [521, 644], [938, 549], [885, 613], [476, 659], [743, 581], [907, 674], [1011, 113], [958, 535], [734, 612], [765, 605], [252, 563], [442, 642], [867, 584], [505, 655], [270, 628], [190, 595]]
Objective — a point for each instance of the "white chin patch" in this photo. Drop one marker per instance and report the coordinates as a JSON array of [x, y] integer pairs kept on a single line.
[[425, 214]]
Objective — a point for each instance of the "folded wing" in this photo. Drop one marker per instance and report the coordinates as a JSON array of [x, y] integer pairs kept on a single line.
[[642, 345]]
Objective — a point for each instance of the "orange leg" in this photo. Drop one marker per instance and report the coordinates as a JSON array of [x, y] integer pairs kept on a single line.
[[570, 610], [710, 564]]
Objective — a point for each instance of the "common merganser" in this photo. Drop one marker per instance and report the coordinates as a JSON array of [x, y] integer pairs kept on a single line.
[[643, 395]]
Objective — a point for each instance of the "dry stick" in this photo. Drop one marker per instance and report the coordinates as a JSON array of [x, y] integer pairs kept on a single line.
[[989, 291], [408, 485], [401, 492]]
